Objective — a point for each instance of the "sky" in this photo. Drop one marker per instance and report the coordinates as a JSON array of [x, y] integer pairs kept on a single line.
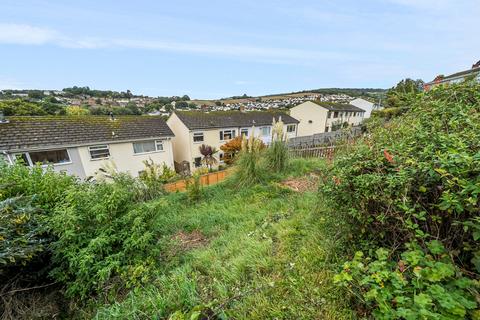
[[213, 49]]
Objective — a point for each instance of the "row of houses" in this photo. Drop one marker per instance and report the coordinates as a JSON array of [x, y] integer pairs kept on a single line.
[[82, 145]]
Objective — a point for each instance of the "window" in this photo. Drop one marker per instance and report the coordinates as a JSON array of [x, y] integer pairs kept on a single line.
[[221, 156], [265, 131], [227, 134], [327, 128], [291, 128], [335, 114], [147, 146], [198, 162], [354, 114], [47, 157], [244, 132], [310, 121], [330, 113], [99, 152], [198, 137]]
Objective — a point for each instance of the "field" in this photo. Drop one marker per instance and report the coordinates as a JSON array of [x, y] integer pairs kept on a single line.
[[262, 253]]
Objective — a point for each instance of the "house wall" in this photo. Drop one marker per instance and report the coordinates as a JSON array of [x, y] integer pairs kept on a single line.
[[121, 154], [182, 141], [211, 137], [309, 111], [363, 104], [75, 167]]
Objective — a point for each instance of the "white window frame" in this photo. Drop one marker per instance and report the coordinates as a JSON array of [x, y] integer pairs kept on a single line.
[[98, 147], [269, 131], [30, 163], [233, 134], [242, 131], [195, 163], [294, 126], [198, 134], [157, 143]]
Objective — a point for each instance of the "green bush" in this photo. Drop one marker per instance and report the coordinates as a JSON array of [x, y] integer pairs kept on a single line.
[[422, 284], [27, 197], [416, 178], [104, 238]]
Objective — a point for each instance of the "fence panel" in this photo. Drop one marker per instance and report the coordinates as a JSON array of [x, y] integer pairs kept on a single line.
[[205, 180]]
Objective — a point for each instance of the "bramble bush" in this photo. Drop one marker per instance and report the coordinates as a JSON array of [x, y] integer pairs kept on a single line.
[[414, 179]]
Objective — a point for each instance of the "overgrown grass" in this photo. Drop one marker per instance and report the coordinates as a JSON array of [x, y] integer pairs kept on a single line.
[[269, 253]]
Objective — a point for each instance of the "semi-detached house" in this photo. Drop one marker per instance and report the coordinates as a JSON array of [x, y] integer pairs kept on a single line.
[[318, 117], [192, 129], [80, 145]]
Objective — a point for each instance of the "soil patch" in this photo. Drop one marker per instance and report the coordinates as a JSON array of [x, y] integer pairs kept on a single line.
[[190, 240], [304, 184]]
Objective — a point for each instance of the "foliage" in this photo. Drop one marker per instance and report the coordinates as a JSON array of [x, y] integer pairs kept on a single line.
[[277, 152], [19, 107], [96, 93], [194, 186], [249, 170], [20, 232], [208, 154], [231, 148], [403, 94], [424, 283], [416, 177], [104, 238], [155, 176], [76, 111]]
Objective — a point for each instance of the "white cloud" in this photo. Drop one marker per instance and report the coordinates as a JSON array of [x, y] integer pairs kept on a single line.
[[30, 35], [26, 34]]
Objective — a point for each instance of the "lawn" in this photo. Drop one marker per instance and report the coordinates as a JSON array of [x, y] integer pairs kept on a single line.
[[263, 253]]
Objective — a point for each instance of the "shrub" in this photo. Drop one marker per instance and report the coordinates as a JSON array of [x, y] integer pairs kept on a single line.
[[27, 197], [277, 153], [104, 238], [416, 178], [208, 154], [194, 186], [20, 232], [155, 176], [248, 170], [423, 283]]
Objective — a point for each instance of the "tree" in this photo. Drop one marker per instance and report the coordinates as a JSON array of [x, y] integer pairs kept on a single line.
[[76, 111], [208, 153], [402, 95], [181, 105], [35, 94], [19, 107], [233, 147], [186, 98], [133, 109]]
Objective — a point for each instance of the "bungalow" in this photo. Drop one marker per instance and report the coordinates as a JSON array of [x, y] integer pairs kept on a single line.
[[317, 117], [194, 128], [83, 144]]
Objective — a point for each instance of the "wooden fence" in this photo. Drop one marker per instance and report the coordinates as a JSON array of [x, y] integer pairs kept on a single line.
[[205, 180], [313, 152]]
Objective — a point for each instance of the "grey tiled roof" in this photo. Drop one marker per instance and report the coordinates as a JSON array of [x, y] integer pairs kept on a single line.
[[330, 106], [24, 133], [225, 119]]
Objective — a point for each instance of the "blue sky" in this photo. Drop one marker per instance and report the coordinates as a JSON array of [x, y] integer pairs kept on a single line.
[[213, 49]]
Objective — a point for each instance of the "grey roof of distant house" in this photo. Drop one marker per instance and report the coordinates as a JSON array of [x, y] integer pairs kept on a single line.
[[330, 106], [457, 75], [224, 119], [30, 133]]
